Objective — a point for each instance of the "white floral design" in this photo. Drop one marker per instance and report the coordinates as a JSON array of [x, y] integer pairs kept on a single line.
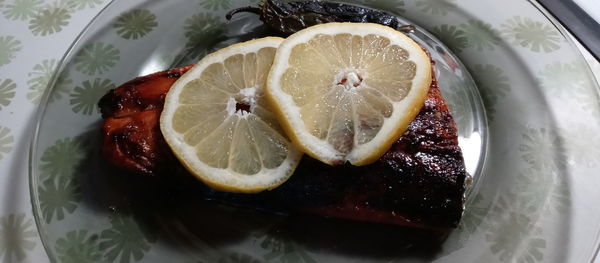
[[9, 46], [22, 9], [584, 145], [452, 36], [50, 20], [204, 32], [7, 92], [135, 24], [17, 234], [562, 78], [282, 249], [81, 4], [97, 58], [6, 141], [535, 35], [542, 149], [58, 198], [39, 79], [493, 85], [436, 7], [481, 35], [126, 241], [535, 189], [513, 235], [77, 246], [590, 102], [84, 98]]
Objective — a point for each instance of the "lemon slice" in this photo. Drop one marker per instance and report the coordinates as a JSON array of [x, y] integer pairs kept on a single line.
[[347, 91], [217, 123]]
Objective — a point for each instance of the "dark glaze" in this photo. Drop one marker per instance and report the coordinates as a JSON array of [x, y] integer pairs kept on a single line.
[[418, 182], [291, 17], [131, 137]]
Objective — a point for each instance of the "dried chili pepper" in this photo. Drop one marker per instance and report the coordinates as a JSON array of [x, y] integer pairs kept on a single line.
[[288, 18]]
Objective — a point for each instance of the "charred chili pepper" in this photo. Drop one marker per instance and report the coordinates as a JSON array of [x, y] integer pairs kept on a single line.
[[288, 18]]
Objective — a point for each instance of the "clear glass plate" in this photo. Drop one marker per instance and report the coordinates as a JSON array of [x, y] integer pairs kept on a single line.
[[534, 160]]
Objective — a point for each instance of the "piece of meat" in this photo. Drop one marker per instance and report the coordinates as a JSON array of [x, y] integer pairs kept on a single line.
[[131, 137], [419, 181]]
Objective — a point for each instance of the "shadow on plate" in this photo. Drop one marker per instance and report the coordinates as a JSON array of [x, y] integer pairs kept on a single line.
[[174, 208]]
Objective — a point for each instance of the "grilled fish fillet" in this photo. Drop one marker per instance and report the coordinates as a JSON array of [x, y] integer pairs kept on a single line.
[[418, 182]]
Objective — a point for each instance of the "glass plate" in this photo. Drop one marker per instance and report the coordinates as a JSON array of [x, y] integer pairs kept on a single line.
[[534, 161]]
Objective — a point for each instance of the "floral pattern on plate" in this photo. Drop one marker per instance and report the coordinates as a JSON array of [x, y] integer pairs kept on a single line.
[[556, 157]]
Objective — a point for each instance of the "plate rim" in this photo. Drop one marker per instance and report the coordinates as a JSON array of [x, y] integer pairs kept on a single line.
[[38, 115], [44, 102]]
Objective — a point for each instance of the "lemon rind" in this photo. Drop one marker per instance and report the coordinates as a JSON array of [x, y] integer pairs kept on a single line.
[[404, 111], [217, 178]]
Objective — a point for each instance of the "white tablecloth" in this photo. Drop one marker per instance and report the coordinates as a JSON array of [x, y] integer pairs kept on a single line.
[[31, 44]]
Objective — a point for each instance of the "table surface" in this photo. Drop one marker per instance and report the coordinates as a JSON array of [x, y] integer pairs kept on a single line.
[[592, 7], [29, 49]]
